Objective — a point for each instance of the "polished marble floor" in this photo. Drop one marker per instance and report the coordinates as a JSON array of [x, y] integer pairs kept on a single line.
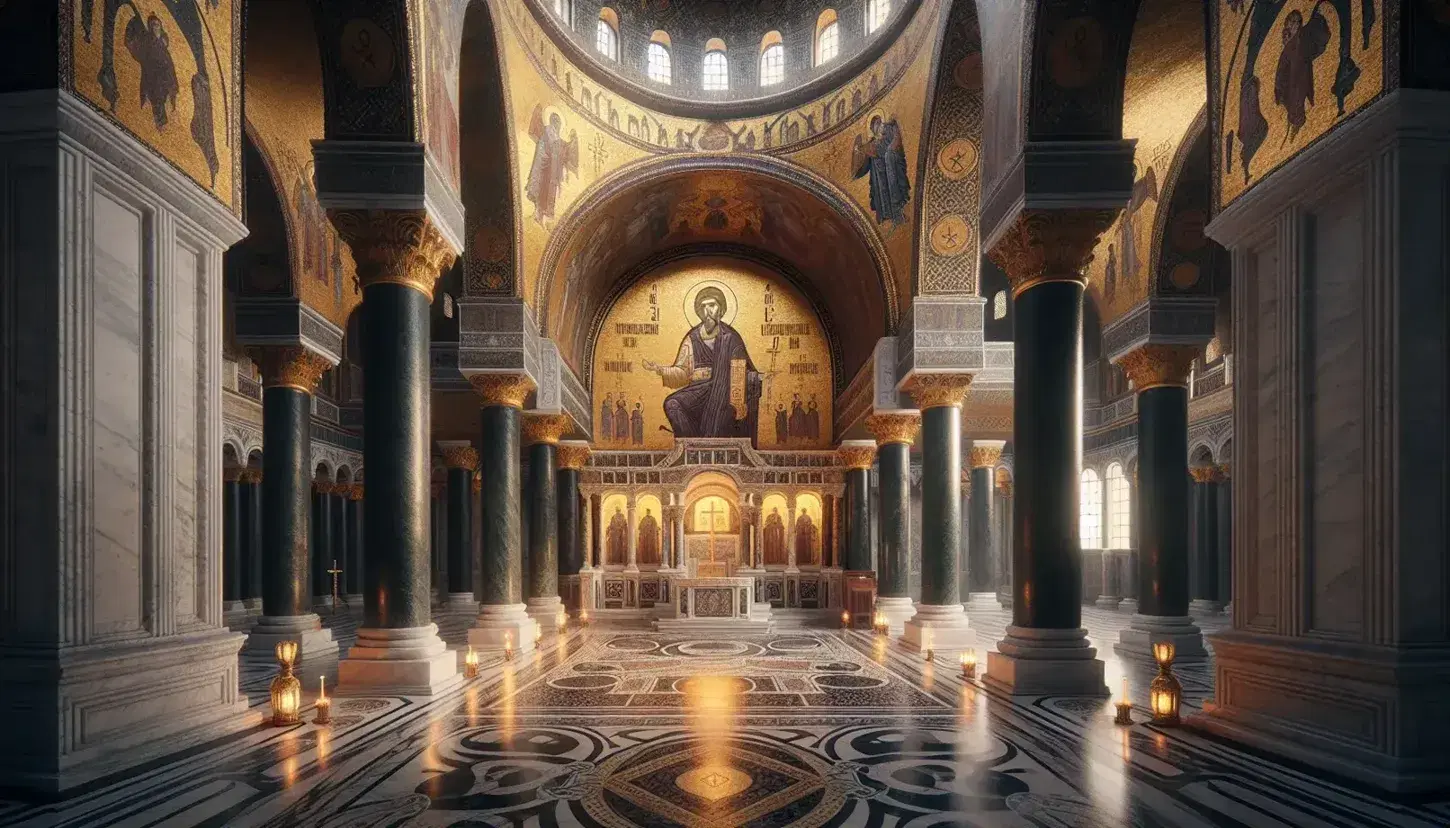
[[619, 726]]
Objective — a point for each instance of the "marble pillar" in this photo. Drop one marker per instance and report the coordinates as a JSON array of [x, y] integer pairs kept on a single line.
[[1159, 374], [461, 460], [632, 554], [573, 456], [940, 622], [857, 456], [320, 552], [542, 433], [353, 567], [338, 556], [828, 533], [233, 545], [438, 537], [400, 254], [1203, 541], [981, 526], [895, 431], [1003, 540], [502, 613], [1224, 537], [1046, 651], [289, 375], [1339, 652], [680, 550], [251, 481]]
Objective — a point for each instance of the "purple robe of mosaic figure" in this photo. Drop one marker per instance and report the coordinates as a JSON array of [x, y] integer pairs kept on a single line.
[[702, 372]]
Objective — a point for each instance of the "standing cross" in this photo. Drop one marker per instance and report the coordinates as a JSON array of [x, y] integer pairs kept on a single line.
[[334, 572]]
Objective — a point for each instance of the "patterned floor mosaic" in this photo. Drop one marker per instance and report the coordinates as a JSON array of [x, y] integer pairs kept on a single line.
[[625, 727]]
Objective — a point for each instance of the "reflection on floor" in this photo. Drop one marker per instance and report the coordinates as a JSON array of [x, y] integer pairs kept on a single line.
[[614, 726]]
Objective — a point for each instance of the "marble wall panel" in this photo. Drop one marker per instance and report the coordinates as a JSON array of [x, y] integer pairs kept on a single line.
[[1263, 577], [182, 432]]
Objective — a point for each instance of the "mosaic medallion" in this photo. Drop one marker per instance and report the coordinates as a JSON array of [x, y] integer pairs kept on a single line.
[[713, 782]]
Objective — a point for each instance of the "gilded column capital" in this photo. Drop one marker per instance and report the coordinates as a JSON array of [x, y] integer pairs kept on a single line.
[[1004, 482], [857, 454], [546, 428], [895, 426], [400, 247], [1204, 474], [573, 454], [939, 390], [475, 482], [1050, 246], [355, 491], [290, 366], [985, 454], [322, 487], [250, 475], [232, 474], [1223, 471], [1153, 366], [459, 455], [502, 389]]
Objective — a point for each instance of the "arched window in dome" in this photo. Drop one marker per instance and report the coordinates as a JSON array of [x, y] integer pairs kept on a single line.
[[772, 59], [1119, 516], [716, 69], [606, 34], [561, 10], [828, 37], [658, 58], [1090, 520], [999, 305], [876, 13]]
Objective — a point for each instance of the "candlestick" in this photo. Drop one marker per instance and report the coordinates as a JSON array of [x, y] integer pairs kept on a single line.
[[470, 663], [969, 664], [324, 704], [845, 619], [1125, 707], [508, 647]]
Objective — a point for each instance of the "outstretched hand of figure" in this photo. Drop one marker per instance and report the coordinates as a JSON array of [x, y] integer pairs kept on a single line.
[[650, 365]]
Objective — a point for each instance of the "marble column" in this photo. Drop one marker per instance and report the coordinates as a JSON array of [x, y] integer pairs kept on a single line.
[[631, 560], [289, 376], [828, 532], [542, 433], [438, 537], [1159, 374], [680, 550], [233, 544], [321, 547], [940, 622], [597, 535], [502, 613], [1203, 541], [1003, 542], [337, 559], [895, 431], [461, 460], [981, 525], [399, 254], [353, 567], [573, 456], [1225, 535], [251, 481], [857, 456], [1046, 650]]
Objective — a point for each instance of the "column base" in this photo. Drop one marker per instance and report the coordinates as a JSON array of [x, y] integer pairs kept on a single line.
[[461, 602], [1107, 602], [981, 602], [499, 622], [1045, 662], [354, 600], [1350, 709], [897, 610], [316, 650], [1129, 606], [1146, 630], [411, 661], [546, 611], [253, 605], [1005, 600], [1204, 606], [235, 615], [944, 627]]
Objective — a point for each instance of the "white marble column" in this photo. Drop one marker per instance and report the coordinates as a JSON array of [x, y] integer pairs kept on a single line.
[[632, 564], [1339, 650], [588, 530], [112, 648], [790, 562]]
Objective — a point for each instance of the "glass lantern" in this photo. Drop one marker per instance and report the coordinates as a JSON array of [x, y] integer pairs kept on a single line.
[[1165, 694], [286, 690]]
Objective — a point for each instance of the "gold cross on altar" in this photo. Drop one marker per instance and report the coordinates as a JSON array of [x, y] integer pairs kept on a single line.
[[334, 572]]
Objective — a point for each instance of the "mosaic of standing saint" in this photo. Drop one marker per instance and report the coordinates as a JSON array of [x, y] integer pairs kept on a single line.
[[718, 388]]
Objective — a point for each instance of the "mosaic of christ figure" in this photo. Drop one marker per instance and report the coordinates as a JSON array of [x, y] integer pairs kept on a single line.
[[705, 373]]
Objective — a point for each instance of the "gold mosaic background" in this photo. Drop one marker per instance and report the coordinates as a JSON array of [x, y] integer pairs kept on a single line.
[[1165, 91], [1299, 56], [170, 81], [649, 321]]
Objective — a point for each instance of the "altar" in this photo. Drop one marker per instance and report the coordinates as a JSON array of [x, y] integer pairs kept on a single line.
[[716, 604]]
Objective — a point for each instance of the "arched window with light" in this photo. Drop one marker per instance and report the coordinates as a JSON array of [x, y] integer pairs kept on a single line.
[[876, 13], [999, 305], [658, 58], [1090, 521], [1119, 515], [561, 10], [606, 34], [828, 37], [715, 71], [772, 59]]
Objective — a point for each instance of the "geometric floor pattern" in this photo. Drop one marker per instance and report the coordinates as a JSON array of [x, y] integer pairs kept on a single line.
[[625, 727]]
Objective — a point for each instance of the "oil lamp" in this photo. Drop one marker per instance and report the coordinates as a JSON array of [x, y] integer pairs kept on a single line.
[[470, 663], [324, 704], [1125, 706], [845, 619], [508, 646], [969, 664], [1165, 693], [286, 690]]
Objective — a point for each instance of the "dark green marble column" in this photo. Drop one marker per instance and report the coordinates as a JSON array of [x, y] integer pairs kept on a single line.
[[353, 568], [1203, 540], [895, 431], [286, 501], [1225, 537], [232, 539], [541, 435], [460, 458], [501, 496], [858, 456], [981, 522], [438, 536], [572, 457], [338, 554], [396, 455], [252, 537], [321, 540], [940, 397]]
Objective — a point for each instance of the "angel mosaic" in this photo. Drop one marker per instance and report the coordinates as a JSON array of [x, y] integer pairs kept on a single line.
[[554, 158]]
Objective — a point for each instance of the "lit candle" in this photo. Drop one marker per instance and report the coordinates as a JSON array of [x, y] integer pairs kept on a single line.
[[845, 619], [969, 664], [1124, 697], [324, 704], [561, 621], [1125, 708], [583, 617], [508, 646], [470, 663], [538, 631]]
